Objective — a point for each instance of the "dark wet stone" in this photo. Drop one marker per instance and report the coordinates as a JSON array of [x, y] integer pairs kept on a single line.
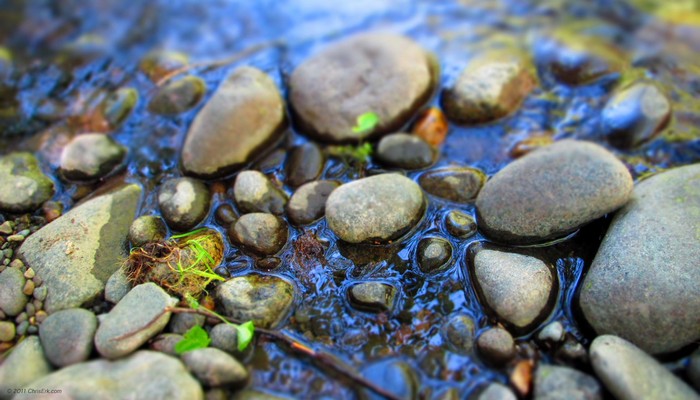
[[272, 162], [629, 373], [458, 332], [214, 367], [551, 192], [181, 323], [178, 96], [577, 59], [118, 105], [491, 86], [555, 383], [460, 224], [392, 375], [403, 150], [67, 336], [139, 316], [12, 300], [635, 114], [458, 184], [305, 164], [349, 78], [158, 63], [23, 187], [25, 364], [495, 391], [184, 202], [643, 282], [434, 254], [245, 115], [380, 208], [308, 203], [147, 229], [254, 192], [91, 156], [372, 296], [496, 345], [268, 263], [261, 233], [693, 370], [225, 215], [519, 289], [165, 343], [264, 299], [571, 352], [75, 254], [144, 374]]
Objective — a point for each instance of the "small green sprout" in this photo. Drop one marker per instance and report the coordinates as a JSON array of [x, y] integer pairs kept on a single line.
[[244, 331], [366, 122], [195, 338], [360, 153]]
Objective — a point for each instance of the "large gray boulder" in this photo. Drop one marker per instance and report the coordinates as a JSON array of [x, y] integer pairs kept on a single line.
[[245, 115], [383, 73], [143, 375], [75, 254], [551, 192], [643, 283]]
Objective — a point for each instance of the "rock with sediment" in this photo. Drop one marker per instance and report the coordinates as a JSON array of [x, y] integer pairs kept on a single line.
[[184, 202], [387, 74], [551, 192], [261, 233], [255, 193], [264, 299], [643, 282], [91, 156], [23, 187], [76, 254], [308, 203], [245, 115]]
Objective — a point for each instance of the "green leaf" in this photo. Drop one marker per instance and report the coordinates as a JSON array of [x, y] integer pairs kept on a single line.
[[195, 338], [245, 334], [366, 122]]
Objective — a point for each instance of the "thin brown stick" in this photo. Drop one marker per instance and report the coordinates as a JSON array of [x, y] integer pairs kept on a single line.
[[220, 63], [321, 357]]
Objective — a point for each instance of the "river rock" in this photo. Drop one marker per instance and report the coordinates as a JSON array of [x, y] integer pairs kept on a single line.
[[460, 224], [23, 187], [372, 296], [577, 59], [555, 383], [403, 150], [67, 336], [224, 337], [635, 114], [381, 208], [184, 202], [434, 254], [458, 332], [642, 284], [254, 192], [264, 299], [25, 364], [181, 323], [630, 374], [12, 300], [551, 192], [458, 184], [308, 203], [214, 367], [76, 253], [392, 375], [142, 375], [492, 85], [91, 156], [495, 391], [693, 370], [382, 73], [305, 164], [245, 115], [496, 345], [519, 289], [178, 96], [147, 229], [261, 233], [117, 286], [136, 318]]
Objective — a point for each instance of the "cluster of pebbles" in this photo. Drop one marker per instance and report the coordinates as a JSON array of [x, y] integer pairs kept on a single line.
[[62, 290]]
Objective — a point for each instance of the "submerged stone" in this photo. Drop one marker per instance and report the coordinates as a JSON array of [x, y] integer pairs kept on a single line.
[[178, 96]]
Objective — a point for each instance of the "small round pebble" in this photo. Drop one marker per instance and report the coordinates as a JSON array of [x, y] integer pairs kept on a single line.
[[261, 233], [7, 331], [147, 229], [434, 254], [184, 202], [460, 224], [403, 150], [458, 332], [496, 345], [91, 156]]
